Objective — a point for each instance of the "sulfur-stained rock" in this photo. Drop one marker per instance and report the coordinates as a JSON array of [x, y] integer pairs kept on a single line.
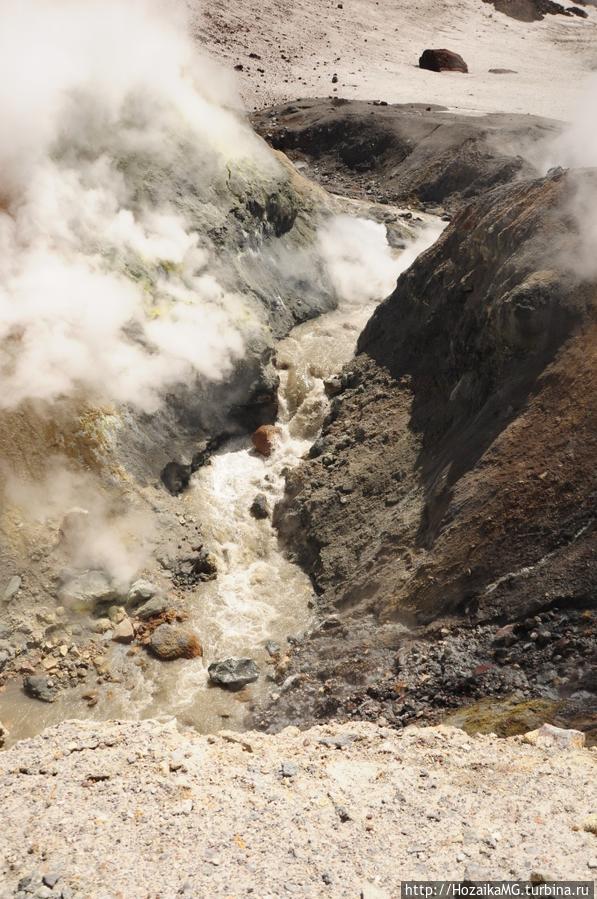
[[264, 439], [173, 641]]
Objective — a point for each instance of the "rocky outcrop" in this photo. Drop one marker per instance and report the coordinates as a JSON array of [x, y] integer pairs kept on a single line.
[[455, 476], [404, 153], [85, 805], [442, 61], [530, 10]]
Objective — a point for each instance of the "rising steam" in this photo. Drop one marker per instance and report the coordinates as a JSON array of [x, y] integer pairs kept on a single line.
[[110, 121]]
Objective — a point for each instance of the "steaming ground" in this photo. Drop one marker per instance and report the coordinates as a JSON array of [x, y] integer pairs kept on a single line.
[[374, 47]]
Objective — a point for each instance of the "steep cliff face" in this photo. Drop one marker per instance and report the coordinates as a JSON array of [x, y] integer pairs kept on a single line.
[[455, 476]]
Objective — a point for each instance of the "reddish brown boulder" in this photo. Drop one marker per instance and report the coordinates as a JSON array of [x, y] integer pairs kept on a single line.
[[170, 641], [442, 61], [264, 439]]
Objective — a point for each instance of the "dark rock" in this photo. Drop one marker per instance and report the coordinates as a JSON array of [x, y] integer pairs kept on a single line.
[[414, 150], [260, 507], [577, 11], [272, 648], [233, 673], [502, 71], [529, 10], [173, 641], [40, 687], [442, 61], [175, 477]]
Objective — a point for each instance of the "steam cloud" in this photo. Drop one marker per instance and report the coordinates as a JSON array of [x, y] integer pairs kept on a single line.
[[106, 285], [576, 148]]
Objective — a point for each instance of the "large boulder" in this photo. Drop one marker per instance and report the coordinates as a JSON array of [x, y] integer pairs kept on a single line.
[[442, 61], [174, 641], [264, 439], [233, 674]]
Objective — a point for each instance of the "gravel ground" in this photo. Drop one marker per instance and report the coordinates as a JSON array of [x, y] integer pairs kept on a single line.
[[140, 810]]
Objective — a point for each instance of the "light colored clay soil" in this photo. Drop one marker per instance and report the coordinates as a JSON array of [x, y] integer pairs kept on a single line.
[[138, 810], [374, 49]]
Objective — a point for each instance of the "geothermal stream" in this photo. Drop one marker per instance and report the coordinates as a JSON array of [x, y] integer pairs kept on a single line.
[[259, 595]]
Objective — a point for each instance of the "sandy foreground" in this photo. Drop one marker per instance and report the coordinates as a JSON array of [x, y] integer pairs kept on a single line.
[[374, 45], [139, 810]]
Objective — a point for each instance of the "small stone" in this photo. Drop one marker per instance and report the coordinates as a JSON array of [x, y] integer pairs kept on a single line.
[[51, 880], [3, 735], [589, 825], [272, 648], [124, 632], [592, 863], [12, 588], [183, 808], [288, 769]]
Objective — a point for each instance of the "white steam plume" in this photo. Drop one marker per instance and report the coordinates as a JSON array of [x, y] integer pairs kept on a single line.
[[109, 122], [576, 148]]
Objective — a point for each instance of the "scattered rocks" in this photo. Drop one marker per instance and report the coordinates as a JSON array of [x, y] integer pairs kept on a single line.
[[442, 61], [260, 507], [288, 769], [264, 439], [40, 687], [172, 641], [233, 674]]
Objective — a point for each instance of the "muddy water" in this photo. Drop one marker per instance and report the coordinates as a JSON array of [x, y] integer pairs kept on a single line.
[[259, 595]]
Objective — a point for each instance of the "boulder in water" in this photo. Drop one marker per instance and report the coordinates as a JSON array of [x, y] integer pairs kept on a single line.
[[233, 673], [264, 439], [442, 61], [171, 641], [40, 687], [260, 507]]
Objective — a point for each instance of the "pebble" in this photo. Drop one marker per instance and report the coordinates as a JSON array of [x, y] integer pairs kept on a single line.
[[289, 769]]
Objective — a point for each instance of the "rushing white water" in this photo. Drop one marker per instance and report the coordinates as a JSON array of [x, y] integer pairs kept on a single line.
[[259, 595]]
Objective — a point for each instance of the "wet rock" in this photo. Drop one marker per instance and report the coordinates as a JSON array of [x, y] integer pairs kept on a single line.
[[152, 608], [264, 439], [124, 632], [272, 648], [260, 507], [550, 737], [141, 591], [40, 687], [175, 477], [442, 61], [85, 591], [195, 569], [172, 641], [12, 588], [233, 673]]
